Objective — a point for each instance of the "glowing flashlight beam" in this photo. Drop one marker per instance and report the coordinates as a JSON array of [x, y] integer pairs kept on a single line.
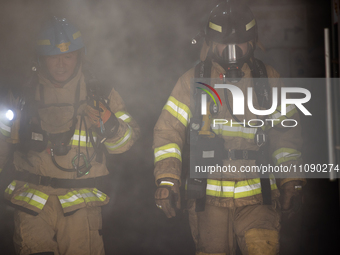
[[9, 115]]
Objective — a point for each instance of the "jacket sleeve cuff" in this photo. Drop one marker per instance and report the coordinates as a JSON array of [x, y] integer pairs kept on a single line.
[[283, 181], [168, 175]]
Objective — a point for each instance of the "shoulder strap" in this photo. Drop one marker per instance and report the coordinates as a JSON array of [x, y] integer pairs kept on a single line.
[[261, 86], [203, 69]]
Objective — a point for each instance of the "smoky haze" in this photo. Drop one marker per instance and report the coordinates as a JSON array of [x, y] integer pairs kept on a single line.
[[142, 48]]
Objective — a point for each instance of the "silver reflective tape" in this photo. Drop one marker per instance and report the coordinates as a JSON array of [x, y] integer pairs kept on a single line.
[[248, 188], [127, 137], [286, 155], [170, 150], [33, 197], [178, 109], [124, 117], [4, 127], [11, 187], [208, 154], [219, 188], [82, 138], [37, 137], [70, 199]]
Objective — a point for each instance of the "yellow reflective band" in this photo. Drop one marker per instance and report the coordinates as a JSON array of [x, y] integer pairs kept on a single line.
[[247, 188], [235, 131], [92, 195], [166, 183], [5, 130], [291, 110], [236, 190], [219, 183], [124, 116], [63, 46], [33, 197], [121, 142], [215, 27], [285, 154], [76, 197], [76, 35], [44, 42], [273, 186], [250, 24], [220, 188], [178, 110], [71, 198], [10, 188], [82, 138], [170, 150]]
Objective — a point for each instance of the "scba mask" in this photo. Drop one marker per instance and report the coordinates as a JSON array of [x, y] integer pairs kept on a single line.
[[232, 58]]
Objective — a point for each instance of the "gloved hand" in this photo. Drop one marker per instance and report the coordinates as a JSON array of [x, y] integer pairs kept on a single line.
[[291, 198], [96, 114], [167, 196], [104, 120]]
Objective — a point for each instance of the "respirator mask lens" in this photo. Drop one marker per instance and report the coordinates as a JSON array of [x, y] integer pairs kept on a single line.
[[231, 53], [231, 58]]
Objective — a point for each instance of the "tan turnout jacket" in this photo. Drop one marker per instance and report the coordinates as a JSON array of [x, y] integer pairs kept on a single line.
[[56, 119], [229, 190]]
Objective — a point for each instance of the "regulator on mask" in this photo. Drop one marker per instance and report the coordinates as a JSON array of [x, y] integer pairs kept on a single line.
[[231, 33], [232, 59]]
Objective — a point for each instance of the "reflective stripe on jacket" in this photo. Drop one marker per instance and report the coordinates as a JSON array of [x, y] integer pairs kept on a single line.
[[34, 197], [170, 136]]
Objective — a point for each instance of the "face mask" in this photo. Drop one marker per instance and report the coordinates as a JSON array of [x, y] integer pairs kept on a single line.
[[232, 59]]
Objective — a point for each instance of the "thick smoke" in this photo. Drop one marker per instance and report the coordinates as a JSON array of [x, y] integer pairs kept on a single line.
[[142, 48]]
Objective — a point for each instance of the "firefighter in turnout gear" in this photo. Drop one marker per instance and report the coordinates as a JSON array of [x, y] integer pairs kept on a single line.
[[64, 123], [235, 209]]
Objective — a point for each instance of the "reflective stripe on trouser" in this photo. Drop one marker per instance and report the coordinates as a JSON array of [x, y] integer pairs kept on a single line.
[[76, 197], [51, 231], [234, 189], [37, 199], [30, 196], [10, 188], [217, 229]]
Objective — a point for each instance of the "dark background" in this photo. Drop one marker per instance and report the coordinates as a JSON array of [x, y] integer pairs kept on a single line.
[[142, 48]]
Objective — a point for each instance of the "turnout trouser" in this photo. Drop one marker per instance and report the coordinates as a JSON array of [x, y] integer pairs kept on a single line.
[[51, 232], [217, 230]]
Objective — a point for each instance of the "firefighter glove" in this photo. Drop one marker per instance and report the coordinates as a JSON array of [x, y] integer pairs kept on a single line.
[[291, 198], [167, 196], [102, 118]]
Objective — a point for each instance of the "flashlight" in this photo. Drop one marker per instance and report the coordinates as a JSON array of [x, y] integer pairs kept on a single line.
[[9, 115]]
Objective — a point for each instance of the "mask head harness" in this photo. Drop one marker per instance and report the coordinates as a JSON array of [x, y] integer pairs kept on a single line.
[[231, 27]]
